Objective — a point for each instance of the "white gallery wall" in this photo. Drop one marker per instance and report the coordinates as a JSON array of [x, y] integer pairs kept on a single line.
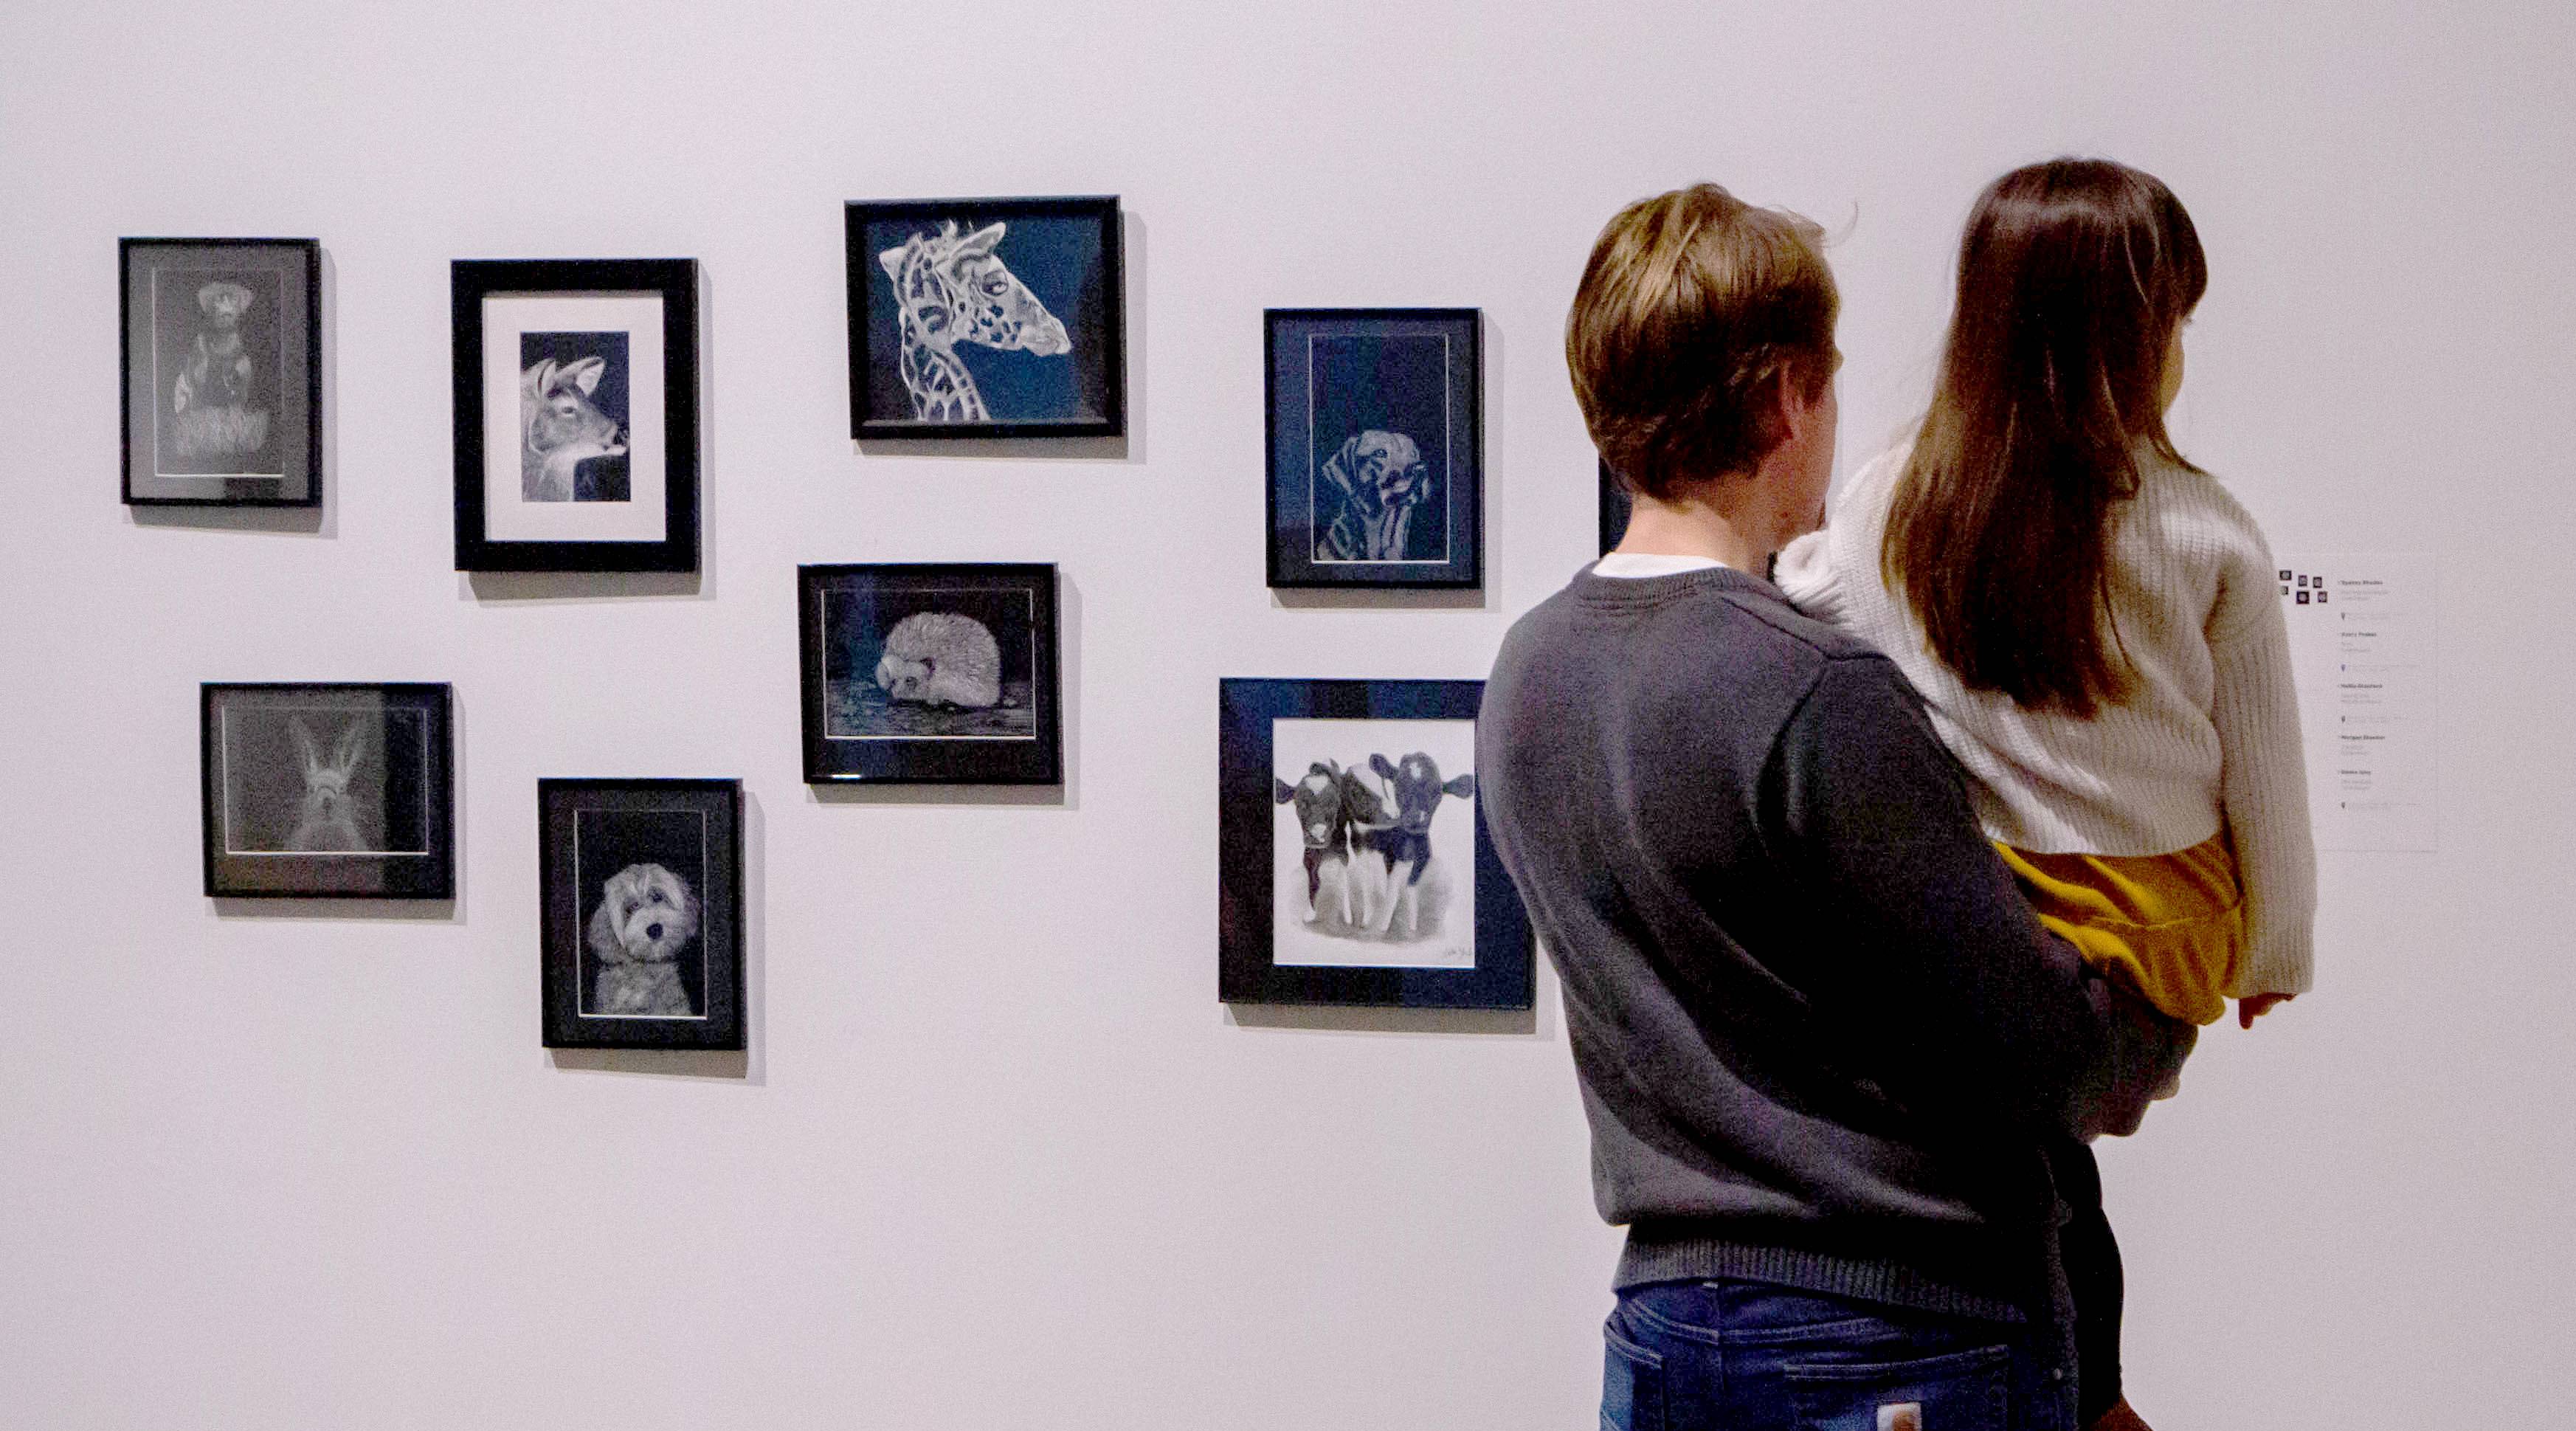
[[997, 1156]]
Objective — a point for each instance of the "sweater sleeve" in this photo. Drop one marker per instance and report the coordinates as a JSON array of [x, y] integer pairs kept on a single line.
[[1963, 1008], [2263, 789]]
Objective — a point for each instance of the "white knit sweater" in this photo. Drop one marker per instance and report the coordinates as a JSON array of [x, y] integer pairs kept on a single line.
[[2208, 737]]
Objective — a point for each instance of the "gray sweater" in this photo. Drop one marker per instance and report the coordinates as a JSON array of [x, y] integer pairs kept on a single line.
[[1820, 1038]]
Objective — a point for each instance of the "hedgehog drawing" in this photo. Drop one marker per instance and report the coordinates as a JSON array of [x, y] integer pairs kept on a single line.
[[939, 658]]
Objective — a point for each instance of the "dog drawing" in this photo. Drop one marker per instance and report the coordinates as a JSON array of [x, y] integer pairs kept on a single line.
[[210, 403], [1379, 478], [561, 428], [326, 819], [646, 916]]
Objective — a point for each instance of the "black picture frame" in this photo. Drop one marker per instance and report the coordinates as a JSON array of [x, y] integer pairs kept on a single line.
[[1616, 503], [671, 545], [1070, 248], [662, 852], [344, 826], [1250, 853], [860, 723], [1365, 421], [173, 413]]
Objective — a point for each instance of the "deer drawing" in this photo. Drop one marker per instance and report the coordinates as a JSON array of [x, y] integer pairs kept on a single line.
[[561, 428], [949, 289]]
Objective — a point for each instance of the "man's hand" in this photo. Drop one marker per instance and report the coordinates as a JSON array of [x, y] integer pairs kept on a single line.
[[2255, 1006]]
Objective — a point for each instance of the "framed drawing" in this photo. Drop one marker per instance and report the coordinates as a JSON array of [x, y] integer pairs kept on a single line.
[[1376, 446], [986, 318], [1616, 504], [641, 887], [327, 791], [576, 400], [1353, 865], [222, 349], [930, 674]]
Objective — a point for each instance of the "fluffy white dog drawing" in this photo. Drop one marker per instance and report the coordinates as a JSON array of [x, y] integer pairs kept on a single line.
[[646, 917]]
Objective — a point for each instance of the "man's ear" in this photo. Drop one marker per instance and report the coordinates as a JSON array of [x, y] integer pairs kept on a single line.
[[1792, 406]]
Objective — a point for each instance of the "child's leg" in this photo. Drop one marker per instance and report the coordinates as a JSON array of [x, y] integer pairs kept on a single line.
[[2091, 1257], [2171, 926]]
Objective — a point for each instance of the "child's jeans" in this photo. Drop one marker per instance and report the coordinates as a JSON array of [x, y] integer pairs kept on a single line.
[[1748, 1356]]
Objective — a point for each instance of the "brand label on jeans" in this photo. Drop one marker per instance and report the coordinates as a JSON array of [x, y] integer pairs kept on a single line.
[[1901, 1416]]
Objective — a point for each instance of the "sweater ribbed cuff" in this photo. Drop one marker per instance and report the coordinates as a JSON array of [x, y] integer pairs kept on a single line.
[[1650, 1259], [2282, 960]]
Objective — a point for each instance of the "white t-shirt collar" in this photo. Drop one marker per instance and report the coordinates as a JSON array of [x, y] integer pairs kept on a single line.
[[1630, 565]]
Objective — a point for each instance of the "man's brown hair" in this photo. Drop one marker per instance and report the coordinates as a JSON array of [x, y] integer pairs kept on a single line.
[[1695, 308]]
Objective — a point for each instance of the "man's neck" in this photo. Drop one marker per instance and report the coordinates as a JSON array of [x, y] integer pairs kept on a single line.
[[1693, 526]]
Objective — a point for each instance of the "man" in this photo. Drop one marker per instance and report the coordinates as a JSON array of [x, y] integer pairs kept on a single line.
[[1822, 1042]]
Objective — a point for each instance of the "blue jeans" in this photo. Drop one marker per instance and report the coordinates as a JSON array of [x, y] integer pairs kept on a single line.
[[1747, 1356]]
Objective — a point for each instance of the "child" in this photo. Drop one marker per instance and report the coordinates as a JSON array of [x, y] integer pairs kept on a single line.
[[2093, 623]]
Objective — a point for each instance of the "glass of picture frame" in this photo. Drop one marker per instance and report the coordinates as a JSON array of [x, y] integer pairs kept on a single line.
[[1376, 442], [576, 414], [930, 674], [221, 341], [1353, 865], [327, 790], [983, 318], [640, 884]]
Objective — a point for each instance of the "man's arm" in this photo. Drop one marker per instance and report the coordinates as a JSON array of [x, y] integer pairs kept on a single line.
[[1967, 1009]]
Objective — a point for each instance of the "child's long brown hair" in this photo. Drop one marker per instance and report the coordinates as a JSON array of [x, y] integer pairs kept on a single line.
[[2073, 277]]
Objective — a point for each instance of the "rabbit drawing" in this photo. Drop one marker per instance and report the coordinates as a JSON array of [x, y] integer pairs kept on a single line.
[[327, 820], [563, 428]]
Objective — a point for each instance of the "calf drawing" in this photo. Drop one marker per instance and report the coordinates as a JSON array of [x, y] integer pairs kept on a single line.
[[1404, 843], [1335, 813]]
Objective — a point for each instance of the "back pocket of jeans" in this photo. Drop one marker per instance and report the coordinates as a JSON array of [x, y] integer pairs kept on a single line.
[[1632, 1386], [1957, 1391]]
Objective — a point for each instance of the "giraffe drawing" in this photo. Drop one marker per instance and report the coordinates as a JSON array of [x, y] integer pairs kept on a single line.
[[949, 289]]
